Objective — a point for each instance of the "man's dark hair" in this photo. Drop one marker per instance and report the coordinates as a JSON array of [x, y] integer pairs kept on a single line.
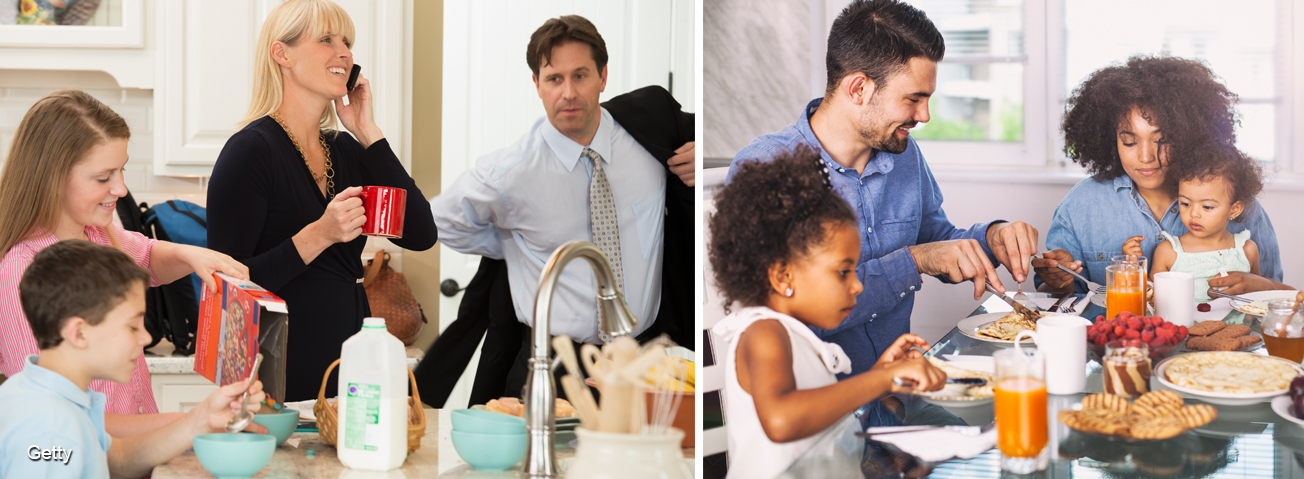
[[771, 213], [562, 30], [1180, 97], [878, 38], [75, 278]]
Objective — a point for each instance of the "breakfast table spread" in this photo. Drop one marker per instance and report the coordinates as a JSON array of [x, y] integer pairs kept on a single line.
[[1249, 440], [435, 458]]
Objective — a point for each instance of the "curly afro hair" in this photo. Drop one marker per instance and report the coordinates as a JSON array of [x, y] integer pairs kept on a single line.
[[1242, 174], [771, 213], [1181, 97]]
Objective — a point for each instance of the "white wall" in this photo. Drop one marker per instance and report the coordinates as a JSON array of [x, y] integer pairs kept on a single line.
[[974, 197], [19, 90]]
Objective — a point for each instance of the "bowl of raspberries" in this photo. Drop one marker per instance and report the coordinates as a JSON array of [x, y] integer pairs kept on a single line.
[[1164, 338]]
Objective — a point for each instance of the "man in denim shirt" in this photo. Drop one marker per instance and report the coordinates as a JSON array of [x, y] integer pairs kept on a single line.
[[882, 68]]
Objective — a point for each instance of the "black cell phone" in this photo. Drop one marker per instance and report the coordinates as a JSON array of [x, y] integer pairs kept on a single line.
[[353, 76]]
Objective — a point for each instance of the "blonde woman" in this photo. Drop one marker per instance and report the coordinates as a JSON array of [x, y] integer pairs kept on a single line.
[[284, 193], [61, 182]]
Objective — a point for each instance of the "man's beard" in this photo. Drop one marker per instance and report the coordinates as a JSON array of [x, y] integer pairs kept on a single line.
[[889, 142]]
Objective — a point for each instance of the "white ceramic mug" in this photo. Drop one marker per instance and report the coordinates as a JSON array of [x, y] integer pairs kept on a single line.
[[1175, 297], [1063, 339]]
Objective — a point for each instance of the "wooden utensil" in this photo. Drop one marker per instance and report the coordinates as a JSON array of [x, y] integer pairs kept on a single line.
[[584, 403], [617, 392], [573, 383]]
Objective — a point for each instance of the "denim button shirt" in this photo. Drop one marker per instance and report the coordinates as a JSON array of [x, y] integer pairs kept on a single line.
[[897, 204], [1097, 216]]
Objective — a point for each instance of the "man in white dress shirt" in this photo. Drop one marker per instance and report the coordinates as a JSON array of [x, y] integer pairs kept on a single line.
[[521, 203]]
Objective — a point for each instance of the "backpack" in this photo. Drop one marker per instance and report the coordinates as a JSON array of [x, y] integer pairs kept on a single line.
[[171, 310]]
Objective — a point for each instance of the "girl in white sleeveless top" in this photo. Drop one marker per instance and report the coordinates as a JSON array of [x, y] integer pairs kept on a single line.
[[784, 248]]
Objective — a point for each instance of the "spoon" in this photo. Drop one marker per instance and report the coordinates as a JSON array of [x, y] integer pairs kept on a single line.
[[242, 419]]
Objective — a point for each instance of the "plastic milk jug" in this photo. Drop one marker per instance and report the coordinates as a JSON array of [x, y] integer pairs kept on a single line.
[[372, 400]]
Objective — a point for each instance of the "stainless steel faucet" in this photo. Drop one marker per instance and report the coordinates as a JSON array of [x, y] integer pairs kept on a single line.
[[615, 319]]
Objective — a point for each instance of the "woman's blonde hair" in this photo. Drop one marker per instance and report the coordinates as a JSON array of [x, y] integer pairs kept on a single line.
[[53, 137], [289, 23]]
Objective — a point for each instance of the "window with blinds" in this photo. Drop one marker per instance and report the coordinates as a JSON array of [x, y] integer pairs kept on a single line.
[[979, 93]]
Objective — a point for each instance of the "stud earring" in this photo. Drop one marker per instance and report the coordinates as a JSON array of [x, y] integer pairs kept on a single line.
[[788, 292]]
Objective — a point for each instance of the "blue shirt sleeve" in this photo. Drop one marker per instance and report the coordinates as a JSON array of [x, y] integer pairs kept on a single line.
[[466, 213], [1062, 236], [934, 226]]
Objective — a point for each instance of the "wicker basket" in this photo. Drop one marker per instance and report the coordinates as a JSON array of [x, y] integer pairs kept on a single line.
[[328, 418]]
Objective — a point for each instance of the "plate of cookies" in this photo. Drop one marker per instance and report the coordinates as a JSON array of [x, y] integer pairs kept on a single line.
[[1155, 416], [1228, 378], [1220, 336]]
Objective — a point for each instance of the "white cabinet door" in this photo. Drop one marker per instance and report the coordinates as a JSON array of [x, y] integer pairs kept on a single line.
[[490, 101], [204, 73]]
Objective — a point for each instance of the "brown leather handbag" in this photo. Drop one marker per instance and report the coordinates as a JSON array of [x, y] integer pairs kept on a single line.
[[391, 298]]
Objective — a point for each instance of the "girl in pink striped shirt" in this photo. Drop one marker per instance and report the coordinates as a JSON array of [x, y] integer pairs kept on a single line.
[[61, 181]]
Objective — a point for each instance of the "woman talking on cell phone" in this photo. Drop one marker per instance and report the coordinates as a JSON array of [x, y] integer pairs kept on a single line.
[[284, 195]]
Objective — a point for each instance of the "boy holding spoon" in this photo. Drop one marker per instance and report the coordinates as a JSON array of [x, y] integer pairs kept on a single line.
[[86, 304]]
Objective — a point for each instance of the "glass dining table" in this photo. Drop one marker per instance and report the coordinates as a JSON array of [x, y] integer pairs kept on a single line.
[[1242, 442]]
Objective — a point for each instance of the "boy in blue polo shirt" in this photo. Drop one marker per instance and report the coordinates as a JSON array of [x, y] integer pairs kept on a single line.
[[85, 304]]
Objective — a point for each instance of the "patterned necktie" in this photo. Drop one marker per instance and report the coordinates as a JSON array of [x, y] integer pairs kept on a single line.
[[602, 213]]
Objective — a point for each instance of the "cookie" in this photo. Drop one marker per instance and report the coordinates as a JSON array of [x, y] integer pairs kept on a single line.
[[1162, 427], [1248, 340], [1157, 404], [1106, 401], [1196, 415], [1208, 343], [1104, 421], [1206, 328], [1233, 331]]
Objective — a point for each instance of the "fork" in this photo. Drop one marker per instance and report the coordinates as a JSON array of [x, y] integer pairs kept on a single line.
[[1055, 307], [1091, 286]]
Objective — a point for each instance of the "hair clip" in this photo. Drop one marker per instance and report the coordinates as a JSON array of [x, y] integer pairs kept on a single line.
[[824, 172]]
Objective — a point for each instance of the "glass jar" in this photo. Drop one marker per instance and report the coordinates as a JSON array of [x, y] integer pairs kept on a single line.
[[1283, 330], [1127, 368]]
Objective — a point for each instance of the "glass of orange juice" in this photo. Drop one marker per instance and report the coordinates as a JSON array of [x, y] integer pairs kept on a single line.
[[1125, 285], [1021, 416]]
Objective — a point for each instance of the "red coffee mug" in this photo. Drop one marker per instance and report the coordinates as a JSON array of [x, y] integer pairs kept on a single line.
[[385, 208]]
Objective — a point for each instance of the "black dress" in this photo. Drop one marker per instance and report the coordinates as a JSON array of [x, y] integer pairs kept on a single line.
[[261, 194]]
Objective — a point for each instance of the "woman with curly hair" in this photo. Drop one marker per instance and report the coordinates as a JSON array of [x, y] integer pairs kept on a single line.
[[784, 247], [1134, 127]]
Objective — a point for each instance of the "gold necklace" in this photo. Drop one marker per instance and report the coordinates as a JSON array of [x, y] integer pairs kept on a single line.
[[329, 173]]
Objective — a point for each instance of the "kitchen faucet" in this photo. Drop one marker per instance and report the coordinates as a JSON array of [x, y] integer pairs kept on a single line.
[[614, 319]]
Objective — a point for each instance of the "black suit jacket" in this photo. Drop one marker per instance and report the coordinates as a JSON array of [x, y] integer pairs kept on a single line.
[[653, 117]]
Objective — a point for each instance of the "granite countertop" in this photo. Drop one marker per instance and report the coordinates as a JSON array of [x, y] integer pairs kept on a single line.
[[435, 458], [161, 361]]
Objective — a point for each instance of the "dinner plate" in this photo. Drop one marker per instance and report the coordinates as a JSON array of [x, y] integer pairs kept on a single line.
[[950, 398], [970, 325], [1261, 299], [1114, 438], [1225, 399], [952, 395], [1281, 406]]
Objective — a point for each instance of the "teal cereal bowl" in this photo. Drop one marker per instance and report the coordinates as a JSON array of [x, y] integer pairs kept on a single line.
[[485, 422], [233, 456], [280, 426], [489, 452]]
